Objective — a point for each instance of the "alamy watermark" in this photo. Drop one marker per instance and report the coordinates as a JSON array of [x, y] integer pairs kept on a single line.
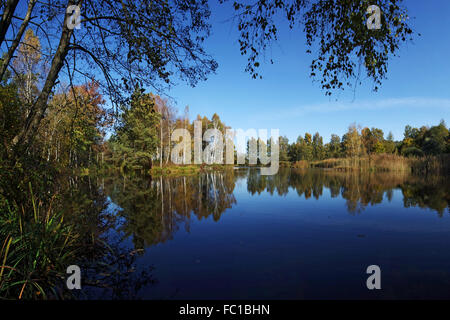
[[253, 144], [74, 280], [74, 21], [374, 281], [374, 20]]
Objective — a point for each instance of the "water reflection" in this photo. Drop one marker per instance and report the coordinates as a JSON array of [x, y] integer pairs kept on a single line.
[[238, 234], [108, 265], [358, 189], [154, 209]]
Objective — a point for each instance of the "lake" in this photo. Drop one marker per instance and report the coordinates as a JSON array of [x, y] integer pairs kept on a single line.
[[297, 235]]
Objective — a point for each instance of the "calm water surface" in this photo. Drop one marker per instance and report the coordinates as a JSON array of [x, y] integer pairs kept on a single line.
[[295, 235]]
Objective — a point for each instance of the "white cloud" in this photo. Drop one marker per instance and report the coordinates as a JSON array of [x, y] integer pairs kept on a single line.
[[407, 102]]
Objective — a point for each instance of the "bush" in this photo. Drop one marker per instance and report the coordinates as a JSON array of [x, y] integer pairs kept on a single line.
[[412, 151]]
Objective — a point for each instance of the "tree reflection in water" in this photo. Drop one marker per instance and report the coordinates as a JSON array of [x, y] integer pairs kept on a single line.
[[359, 189], [108, 266], [153, 209]]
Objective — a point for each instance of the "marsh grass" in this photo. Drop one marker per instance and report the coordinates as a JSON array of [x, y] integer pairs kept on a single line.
[[301, 164], [36, 249], [388, 162], [174, 170]]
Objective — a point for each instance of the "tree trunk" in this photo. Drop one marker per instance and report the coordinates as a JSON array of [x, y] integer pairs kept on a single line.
[[161, 144], [16, 41], [37, 110], [10, 7]]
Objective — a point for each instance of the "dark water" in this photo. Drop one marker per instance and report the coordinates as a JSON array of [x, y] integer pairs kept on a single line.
[[296, 235]]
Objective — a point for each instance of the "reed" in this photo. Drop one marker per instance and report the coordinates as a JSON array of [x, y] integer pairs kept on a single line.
[[302, 164], [387, 162], [187, 169], [37, 248]]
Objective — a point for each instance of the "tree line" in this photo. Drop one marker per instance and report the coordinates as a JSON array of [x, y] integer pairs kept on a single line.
[[358, 142], [76, 123]]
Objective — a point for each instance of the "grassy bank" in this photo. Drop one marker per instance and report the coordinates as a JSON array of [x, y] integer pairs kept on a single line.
[[383, 162], [174, 170], [378, 162]]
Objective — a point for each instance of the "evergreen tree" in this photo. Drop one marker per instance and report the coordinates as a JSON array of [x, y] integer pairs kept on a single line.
[[334, 147], [389, 144], [136, 140]]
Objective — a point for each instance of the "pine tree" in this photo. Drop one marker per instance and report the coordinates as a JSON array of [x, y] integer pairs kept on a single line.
[[136, 141]]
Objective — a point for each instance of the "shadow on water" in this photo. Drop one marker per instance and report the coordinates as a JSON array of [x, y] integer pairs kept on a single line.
[[108, 265]]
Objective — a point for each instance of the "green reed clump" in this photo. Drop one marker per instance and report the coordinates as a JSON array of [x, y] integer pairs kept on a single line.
[[36, 249]]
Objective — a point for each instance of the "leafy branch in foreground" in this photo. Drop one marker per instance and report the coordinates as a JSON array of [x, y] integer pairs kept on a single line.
[[335, 31]]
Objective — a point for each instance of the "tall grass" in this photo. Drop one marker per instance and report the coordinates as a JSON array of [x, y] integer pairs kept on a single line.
[[388, 162], [187, 169], [301, 164], [36, 249]]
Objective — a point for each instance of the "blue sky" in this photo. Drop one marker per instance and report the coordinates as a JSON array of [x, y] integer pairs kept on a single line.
[[417, 91]]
